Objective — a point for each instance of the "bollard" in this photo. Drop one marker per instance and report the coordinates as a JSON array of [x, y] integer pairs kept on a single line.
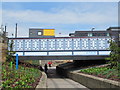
[[11, 65]]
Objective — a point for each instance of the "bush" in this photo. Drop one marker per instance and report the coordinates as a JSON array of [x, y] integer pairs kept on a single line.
[[114, 55]]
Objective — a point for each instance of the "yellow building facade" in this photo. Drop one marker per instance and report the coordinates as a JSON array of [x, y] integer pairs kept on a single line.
[[48, 32]]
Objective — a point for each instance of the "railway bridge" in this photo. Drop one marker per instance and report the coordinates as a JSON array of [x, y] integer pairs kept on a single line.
[[61, 48]]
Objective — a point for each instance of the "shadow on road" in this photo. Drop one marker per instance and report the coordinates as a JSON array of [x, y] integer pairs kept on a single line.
[[51, 73]]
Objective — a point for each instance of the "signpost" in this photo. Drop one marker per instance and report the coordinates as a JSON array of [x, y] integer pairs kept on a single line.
[[16, 61]]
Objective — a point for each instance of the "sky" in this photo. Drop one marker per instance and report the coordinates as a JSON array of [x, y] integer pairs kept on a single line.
[[64, 17]]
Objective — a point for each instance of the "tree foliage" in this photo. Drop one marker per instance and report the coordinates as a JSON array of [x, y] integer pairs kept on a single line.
[[114, 55], [10, 52]]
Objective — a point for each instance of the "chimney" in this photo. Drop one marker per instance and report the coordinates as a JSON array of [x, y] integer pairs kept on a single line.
[[16, 31]]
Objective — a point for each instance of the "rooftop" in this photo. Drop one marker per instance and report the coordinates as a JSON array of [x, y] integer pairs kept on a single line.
[[39, 28], [114, 28]]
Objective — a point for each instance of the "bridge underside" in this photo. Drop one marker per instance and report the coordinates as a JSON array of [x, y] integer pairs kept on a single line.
[[92, 57]]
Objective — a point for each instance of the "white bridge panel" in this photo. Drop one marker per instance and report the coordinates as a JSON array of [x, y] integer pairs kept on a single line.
[[35, 44], [35, 53], [93, 43], [59, 44], [60, 53], [43, 44], [68, 44], [101, 43], [27, 45], [76, 44], [85, 45], [85, 53], [51, 44], [104, 52]]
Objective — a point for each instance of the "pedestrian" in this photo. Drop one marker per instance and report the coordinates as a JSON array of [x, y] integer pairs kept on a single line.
[[49, 63], [40, 68], [46, 68]]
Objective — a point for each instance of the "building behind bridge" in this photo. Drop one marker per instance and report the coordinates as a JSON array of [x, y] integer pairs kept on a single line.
[[41, 33], [113, 32]]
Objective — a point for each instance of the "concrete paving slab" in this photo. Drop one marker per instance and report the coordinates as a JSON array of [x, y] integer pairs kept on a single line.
[[57, 82]]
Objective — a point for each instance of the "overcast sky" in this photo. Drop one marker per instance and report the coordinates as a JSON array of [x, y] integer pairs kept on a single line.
[[64, 17]]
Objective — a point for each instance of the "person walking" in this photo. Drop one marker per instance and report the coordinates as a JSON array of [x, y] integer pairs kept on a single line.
[[46, 68], [49, 63]]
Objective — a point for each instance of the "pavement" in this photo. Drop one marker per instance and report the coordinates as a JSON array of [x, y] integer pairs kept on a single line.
[[57, 82]]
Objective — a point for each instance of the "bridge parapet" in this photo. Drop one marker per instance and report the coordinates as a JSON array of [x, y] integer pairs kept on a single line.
[[61, 46]]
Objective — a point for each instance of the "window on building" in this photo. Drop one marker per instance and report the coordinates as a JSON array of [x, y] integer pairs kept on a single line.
[[71, 34], [95, 34], [99, 34], [83, 34], [30, 32], [103, 34], [39, 33], [90, 34], [108, 34]]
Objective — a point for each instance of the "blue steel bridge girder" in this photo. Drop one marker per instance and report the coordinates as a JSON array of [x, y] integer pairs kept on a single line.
[[62, 46]]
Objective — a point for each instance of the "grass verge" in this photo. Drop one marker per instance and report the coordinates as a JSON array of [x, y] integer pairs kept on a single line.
[[103, 72]]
